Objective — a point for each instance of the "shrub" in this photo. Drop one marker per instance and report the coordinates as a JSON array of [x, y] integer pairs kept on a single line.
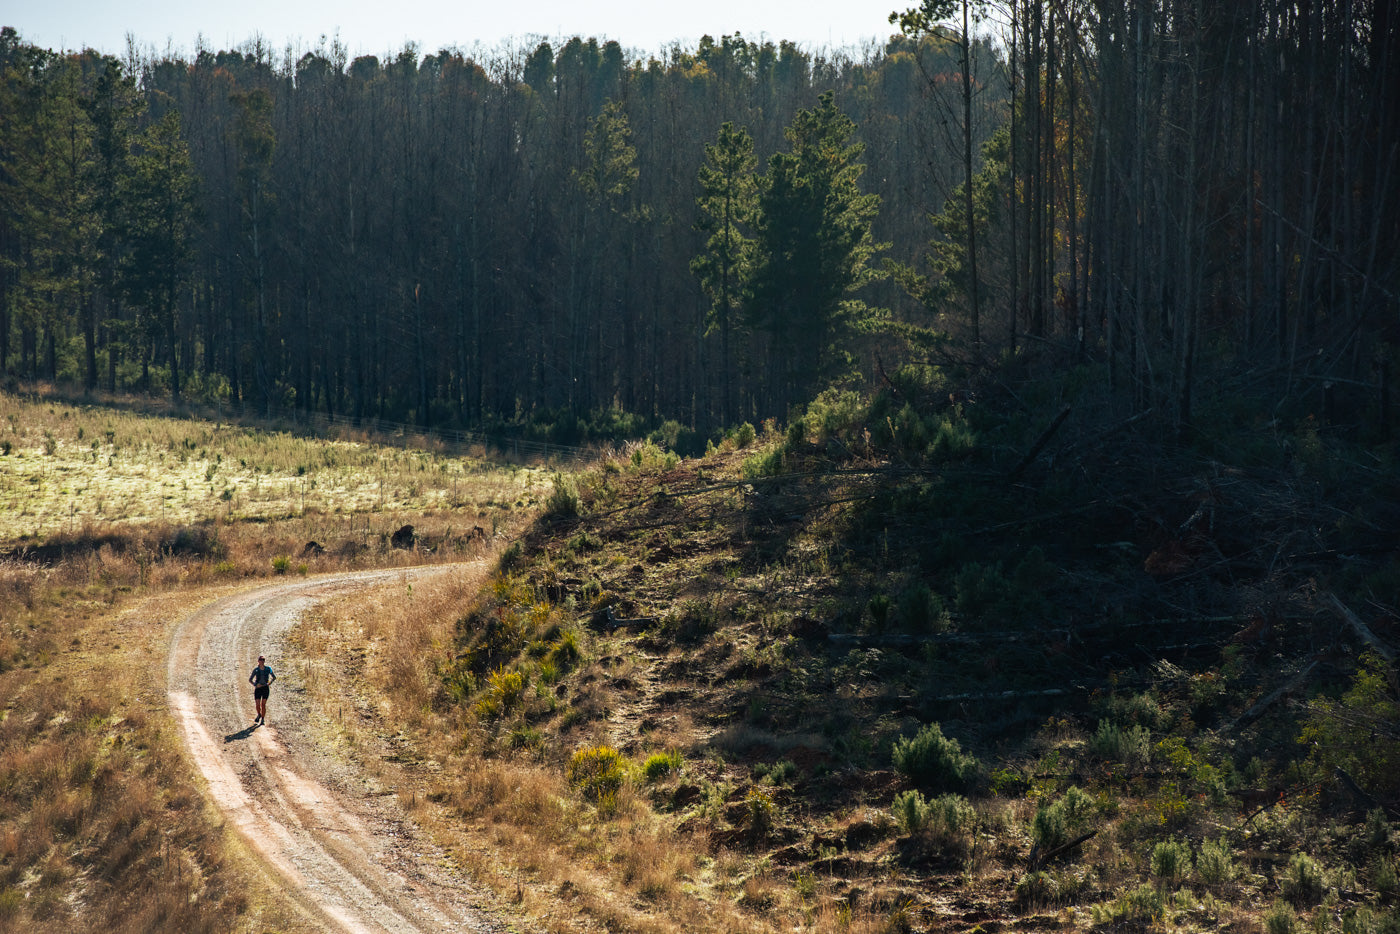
[[761, 810], [946, 815], [1035, 889], [879, 607], [1303, 882], [280, 564], [1112, 743], [563, 501], [1215, 864], [564, 653], [920, 609], [1385, 878], [742, 435], [659, 765], [503, 694], [597, 773], [1280, 919], [1056, 824], [1171, 861], [1142, 904], [779, 773], [934, 761]]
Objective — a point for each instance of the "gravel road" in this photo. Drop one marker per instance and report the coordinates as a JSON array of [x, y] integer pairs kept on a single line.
[[349, 859]]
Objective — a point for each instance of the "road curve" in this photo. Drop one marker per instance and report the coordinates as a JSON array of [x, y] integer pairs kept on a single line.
[[349, 860]]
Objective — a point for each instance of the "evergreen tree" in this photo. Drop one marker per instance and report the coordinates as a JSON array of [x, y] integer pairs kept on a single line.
[[726, 205], [159, 217], [812, 250]]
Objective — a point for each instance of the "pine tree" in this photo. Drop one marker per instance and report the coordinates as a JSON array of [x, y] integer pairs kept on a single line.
[[726, 204], [813, 247], [159, 218]]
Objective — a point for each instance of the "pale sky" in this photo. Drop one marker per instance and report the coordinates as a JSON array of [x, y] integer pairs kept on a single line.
[[383, 27]]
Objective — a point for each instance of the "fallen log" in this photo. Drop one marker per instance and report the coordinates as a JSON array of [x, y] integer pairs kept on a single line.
[[1362, 630]]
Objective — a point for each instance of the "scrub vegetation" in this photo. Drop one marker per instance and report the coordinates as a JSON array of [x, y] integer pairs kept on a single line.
[[873, 671]]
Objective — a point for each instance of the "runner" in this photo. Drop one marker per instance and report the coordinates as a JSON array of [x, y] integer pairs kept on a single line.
[[261, 679]]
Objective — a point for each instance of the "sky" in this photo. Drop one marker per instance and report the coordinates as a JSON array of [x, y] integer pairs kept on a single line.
[[384, 27]]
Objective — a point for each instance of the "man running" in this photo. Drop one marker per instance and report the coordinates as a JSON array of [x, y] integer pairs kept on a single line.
[[261, 679]]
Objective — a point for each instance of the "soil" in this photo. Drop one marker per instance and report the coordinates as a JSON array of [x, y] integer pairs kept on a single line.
[[344, 850]]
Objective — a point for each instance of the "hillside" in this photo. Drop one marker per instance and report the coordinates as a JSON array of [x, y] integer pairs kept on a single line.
[[885, 670], [949, 659]]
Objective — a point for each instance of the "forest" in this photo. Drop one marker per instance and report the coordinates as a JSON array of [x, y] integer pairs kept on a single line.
[[1201, 199]]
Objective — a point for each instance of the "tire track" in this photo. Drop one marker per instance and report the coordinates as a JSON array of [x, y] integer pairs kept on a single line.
[[351, 863]]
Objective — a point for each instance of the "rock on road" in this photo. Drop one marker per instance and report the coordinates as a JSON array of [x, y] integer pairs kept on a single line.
[[351, 862]]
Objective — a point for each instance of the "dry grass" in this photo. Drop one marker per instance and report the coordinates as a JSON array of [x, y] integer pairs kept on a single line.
[[106, 542], [68, 468], [505, 809]]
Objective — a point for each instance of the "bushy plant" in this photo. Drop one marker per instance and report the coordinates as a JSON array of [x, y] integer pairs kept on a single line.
[[1385, 878], [503, 694], [1059, 822], [661, 764], [1303, 883], [563, 501], [1280, 919], [564, 653], [1215, 864], [1130, 746], [945, 815], [879, 607], [1171, 861], [933, 761], [1344, 733], [779, 773], [597, 773], [761, 811], [1142, 904]]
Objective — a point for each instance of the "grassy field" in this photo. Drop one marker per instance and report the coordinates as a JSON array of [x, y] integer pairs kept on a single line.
[[113, 527], [69, 467]]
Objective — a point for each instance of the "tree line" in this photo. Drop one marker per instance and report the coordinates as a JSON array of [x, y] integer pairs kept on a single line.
[[1171, 190]]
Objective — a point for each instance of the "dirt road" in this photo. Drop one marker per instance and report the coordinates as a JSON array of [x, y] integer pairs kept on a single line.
[[348, 859]]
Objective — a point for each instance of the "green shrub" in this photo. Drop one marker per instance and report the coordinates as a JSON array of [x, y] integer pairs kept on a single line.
[[564, 653], [1142, 904], [1384, 877], [779, 773], [1035, 890], [761, 810], [879, 607], [764, 463], [660, 764], [934, 761], [1303, 883], [1280, 919], [742, 435], [597, 773], [979, 588], [1215, 864], [503, 694], [280, 564], [920, 609], [946, 815], [563, 501], [1171, 861], [1061, 821], [1112, 743]]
